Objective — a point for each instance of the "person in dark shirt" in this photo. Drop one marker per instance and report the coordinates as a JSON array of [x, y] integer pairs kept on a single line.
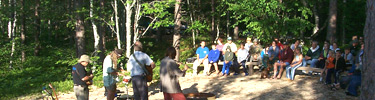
[[81, 79], [312, 55], [340, 65], [286, 57]]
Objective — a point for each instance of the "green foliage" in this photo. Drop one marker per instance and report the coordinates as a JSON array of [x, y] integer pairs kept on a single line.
[[159, 10]]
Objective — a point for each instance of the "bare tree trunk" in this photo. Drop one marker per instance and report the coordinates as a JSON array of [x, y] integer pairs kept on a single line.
[[117, 25], [94, 28], [37, 28], [368, 79], [23, 30], [80, 29], [102, 29], [212, 19], [316, 19], [137, 17], [129, 12], [228, 22], [331, 29], [12, 30], [192, 20], [177, 27]]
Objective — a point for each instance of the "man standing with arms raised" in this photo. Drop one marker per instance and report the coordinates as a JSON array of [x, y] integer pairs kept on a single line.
[[202, 55], [138, 73]]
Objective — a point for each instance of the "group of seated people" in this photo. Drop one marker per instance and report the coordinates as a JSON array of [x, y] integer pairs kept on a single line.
[[280, 56]]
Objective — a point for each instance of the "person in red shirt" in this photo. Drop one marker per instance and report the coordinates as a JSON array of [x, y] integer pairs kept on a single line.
[[286, 57]]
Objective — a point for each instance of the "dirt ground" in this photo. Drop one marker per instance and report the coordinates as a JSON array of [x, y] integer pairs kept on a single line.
[[238, 87]]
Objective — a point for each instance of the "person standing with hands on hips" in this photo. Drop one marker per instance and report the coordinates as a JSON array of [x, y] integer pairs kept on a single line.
[[80, 78], [137, 73], [169, 74]]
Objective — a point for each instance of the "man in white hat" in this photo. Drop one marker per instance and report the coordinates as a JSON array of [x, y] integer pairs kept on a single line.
[[80, 78]]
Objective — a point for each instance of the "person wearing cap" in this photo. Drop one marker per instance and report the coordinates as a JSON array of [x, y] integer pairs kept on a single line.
[[248, 44], [232, 45], [202, 57], [80, 78], [286, 58], [137, 73], [110, 72]]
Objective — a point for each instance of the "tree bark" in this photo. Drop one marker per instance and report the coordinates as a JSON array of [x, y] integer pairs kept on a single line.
[[191, 19], [37, 28], [102, 29], [177, 26], [117, 25], [129, 12], [213, 19], [368, 79], [331, 29], [343, 23], [79, 29], [137, 17], [12, 30], [23, 30]]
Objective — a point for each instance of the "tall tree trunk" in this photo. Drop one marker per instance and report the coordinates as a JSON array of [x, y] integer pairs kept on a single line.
[[331, 29], [117, 25], [37, 28], [102, 29], [80, 29], [129, 12], [177, 27], [23, 30], [191, 19], [228, 22], [12, 30], [212, 19], [368, 79], [98, 44], [235, 32], [137, 17]]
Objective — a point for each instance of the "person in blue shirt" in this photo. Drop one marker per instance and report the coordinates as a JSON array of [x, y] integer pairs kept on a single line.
[[213, 58], [202, 55]]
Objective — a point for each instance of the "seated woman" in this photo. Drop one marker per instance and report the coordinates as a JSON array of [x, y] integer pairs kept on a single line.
[[213, 58], [297, 62], [228, 59], [265, 62]]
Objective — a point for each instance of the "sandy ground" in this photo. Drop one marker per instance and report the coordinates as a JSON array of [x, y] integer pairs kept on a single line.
[[238, 87]]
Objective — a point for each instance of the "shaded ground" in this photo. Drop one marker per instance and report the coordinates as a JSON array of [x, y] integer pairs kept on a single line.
[[239, 88]]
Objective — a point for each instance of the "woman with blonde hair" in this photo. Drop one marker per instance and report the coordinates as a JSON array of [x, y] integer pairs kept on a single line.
[[110, 72]]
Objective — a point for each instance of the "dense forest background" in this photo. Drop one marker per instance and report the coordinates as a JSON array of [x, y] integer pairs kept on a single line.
[[40, 40]]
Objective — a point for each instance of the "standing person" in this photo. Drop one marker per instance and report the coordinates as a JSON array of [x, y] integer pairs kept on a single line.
[[110, 72], [312, 55], [329, 66], [80, 78], [248, 44], [228, 58], [296, 63], [213, 58], [242, 55], [296, 44], [138, 73], [202, 55], [286, 57], [233, 48], [169, 74]]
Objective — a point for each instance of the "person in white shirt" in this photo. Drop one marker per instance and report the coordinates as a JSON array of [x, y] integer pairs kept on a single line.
[[242, 55]]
